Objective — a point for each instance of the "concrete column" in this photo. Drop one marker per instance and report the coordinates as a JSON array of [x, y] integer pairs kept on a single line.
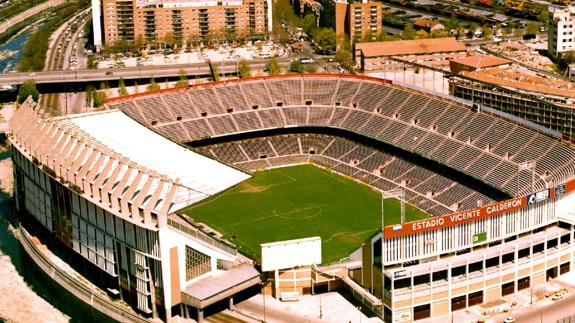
[[200, 315], [231, 303]]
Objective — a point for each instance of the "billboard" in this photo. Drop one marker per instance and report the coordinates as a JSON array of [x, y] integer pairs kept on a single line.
[[291, 253], [438, 222]]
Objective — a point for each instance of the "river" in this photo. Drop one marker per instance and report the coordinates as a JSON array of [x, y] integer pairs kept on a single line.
[[15, 45]]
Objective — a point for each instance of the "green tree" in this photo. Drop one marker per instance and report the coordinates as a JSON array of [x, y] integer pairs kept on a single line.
[[568, 57], [28, 88], [487, 31], [99, 97], [532, 29], [344, 58], [183, 81], [308, 24], [274, 67], [153, 86], [122, 91], [408, 32], [91, 63], [368, 37], [90, 95], [451, 24], [296, 66], [215, 72], [543, 16], [325, 38], [244, 69], [382, 35]]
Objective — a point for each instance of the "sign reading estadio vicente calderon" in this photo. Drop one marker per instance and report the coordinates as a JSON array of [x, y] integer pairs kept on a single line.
[[438, 222]]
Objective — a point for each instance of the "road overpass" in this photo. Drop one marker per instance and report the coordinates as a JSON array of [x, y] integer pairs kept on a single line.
[[130, 73]]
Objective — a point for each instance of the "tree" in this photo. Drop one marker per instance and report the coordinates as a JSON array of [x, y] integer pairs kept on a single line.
[[408, 32], [244, 69], [344, 58], [487, 31], [153, 86], [568, 57], [543, 16], [368, 37], [382, 35], [451, 24], [273, 67], [91, 63], [308, 24], [532, 29], [325, 38], [215, 72], [122, 91], [28, 88], [183, 81], [296, 66], [99, 97]]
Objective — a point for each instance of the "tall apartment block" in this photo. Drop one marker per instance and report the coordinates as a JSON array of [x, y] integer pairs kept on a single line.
[[173, 20], [561, 32], [359, 18]]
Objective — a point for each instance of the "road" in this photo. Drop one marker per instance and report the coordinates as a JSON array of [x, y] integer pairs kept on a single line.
[[98, 75], [543, 312], [28, 13]]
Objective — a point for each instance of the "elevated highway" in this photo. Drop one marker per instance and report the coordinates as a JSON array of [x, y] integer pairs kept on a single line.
[[131, 73]]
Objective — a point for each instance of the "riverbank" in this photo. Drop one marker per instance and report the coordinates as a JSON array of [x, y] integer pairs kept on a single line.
[[18, 303]]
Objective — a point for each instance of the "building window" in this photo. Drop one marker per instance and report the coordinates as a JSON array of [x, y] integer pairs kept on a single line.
[[197, 263]]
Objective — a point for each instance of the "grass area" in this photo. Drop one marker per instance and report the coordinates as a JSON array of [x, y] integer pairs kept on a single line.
[[299, 202]]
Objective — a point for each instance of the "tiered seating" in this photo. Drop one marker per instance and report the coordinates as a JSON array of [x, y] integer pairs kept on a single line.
[[287, 91], [319, 91], [153, 109], [256, 94], [180, 104], [345, 92], [295, 115], [247, 121], [232, 97], [477, 143]]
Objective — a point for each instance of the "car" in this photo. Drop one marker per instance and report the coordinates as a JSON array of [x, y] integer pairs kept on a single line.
[[509, 319], [306, 60], [557, 296]]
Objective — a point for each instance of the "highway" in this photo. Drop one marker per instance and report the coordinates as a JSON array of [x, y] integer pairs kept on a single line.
[[28, 13], [98, 75]]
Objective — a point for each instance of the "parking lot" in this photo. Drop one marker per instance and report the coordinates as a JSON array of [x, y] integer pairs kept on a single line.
[[190, 55]]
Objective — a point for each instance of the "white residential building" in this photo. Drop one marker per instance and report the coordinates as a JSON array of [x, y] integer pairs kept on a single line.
[[561, 32]]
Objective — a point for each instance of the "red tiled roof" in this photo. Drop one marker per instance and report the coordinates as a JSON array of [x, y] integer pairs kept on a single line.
[[482, 61], [405, 47]]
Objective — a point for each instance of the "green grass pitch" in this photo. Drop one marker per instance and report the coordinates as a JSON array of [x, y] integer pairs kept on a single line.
[[298, 202]]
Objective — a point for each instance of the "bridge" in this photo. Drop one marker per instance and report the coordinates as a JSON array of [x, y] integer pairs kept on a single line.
[[130, 73]]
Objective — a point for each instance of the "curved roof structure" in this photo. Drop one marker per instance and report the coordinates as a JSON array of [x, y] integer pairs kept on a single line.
[[113, 160]]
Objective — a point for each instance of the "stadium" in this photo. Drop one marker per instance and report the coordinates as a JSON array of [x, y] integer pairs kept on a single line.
[[176, 200]]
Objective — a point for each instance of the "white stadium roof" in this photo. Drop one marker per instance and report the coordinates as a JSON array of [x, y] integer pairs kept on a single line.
[[139, 144], [123, 135]]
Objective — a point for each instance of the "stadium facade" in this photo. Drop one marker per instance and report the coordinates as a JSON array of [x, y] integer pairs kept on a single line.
[[499, 193]]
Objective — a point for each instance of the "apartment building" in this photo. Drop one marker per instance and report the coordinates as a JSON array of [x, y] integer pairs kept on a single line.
[[180, 20], [561, 36], [359, 18]]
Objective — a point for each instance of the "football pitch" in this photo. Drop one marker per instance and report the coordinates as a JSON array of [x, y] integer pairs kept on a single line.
[[299, 202]]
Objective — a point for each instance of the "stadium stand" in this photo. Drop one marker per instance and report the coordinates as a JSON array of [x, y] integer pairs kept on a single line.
[[482, 145]]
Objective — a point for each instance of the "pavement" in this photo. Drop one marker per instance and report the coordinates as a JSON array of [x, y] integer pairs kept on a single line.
[[328, 307]]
